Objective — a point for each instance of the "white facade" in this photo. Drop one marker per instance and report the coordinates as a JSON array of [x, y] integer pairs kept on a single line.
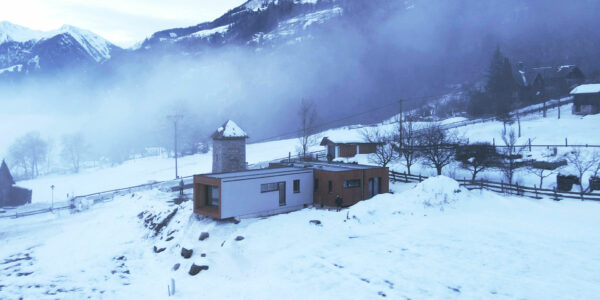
[[242, 196]]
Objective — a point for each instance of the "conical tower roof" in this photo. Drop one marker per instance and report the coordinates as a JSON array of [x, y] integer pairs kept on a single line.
[[229, 130], [5, 177]]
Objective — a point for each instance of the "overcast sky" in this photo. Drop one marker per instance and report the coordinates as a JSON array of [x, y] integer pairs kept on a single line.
[[123, 22]]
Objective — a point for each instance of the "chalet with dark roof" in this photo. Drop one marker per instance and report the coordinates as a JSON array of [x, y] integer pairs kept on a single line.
[[539, 84], [11, 195]]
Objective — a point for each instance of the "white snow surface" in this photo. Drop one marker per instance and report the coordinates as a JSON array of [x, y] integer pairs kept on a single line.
[[231, 129], [17, 33], [261, 4], [467, 244], [206, 33], [15, 68], [586, 89]]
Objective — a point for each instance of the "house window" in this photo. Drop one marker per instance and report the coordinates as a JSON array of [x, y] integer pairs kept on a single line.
[[330, 187], [296, 186], [269, 187], [316, 185], [354, 183], [212, 195]]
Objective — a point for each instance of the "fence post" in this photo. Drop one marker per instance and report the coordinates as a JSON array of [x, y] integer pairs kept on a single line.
[[419, 177], [529, 144], [405, 178], [566, 143], [502, 186], [555, 194], [535, 190]]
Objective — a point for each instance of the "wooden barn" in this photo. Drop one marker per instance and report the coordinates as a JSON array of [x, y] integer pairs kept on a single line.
[[347, 148], [538, 84], [586, 99], [11, 195]]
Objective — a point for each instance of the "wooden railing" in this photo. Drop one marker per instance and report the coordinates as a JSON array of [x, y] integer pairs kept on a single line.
[[504, 188]]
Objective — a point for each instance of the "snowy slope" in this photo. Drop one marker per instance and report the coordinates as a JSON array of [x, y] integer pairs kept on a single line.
[[13, 32], [97, 47], [257, 5], [433, 241]]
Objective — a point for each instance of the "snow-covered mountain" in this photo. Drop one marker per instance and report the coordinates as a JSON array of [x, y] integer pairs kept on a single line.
[[25, 51]]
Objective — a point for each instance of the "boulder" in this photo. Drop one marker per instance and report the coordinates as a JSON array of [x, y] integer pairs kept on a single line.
[[195, 269], [203, 255], [186, 253], [239, 238], [159, 250], [315, 222], [203, 236], [176, 266]]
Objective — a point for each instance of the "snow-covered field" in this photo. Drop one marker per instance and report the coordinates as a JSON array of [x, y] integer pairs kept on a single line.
[[431, 240]]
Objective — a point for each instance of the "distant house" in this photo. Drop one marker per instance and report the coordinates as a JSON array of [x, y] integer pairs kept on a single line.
[[347, 148], [538, 84], [586, 99], [11, 195]]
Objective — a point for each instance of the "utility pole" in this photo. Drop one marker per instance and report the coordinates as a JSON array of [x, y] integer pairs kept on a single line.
[[175, 118]]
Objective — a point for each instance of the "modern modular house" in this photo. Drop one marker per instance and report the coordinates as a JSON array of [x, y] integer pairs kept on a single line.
[[352, 182], [253, 193]]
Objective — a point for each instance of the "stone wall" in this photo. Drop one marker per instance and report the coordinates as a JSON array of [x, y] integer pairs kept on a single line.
[[229, 155]]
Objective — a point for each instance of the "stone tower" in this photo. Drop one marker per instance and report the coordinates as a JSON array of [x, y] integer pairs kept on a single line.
[[229, 148]]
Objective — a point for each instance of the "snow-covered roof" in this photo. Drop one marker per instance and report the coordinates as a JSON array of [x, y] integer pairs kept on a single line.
[[586, 89], [229, 130]]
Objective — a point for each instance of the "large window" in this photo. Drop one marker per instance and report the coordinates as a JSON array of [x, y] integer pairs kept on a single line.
[[316, 185], [330, 187], [296, 186], [269, 187], [212, 196], [353, 183]]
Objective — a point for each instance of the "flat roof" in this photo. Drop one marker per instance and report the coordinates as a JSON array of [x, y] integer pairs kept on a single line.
[[258, 173], [332, 167]]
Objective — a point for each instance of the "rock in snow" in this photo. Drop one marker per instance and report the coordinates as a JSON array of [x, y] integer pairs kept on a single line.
[[203, 236], [186, 253], [195, 269]]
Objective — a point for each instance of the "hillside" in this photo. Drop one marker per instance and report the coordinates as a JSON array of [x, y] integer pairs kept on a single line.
[[428, 241]]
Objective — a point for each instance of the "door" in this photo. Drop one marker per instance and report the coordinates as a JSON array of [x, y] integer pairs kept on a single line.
[[281, 187], [374, 186]]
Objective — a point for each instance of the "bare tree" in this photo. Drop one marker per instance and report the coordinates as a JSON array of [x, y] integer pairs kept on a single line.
[[582, 164], [405, 142], [73, 149], [28, 152], [308, 119], [542, 173], [512, 152], [437, 146], [384, 153], [476, 157]]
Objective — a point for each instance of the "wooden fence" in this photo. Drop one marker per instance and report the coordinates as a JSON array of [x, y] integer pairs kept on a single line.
[[503, 188]]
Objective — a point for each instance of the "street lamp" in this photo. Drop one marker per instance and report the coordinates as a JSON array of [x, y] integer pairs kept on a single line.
[[52, 206]]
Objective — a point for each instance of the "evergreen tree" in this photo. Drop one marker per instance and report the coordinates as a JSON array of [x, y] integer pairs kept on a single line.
[[501, 86]]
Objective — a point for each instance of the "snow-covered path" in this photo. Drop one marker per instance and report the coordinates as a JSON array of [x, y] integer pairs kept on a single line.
[[460, 245]]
